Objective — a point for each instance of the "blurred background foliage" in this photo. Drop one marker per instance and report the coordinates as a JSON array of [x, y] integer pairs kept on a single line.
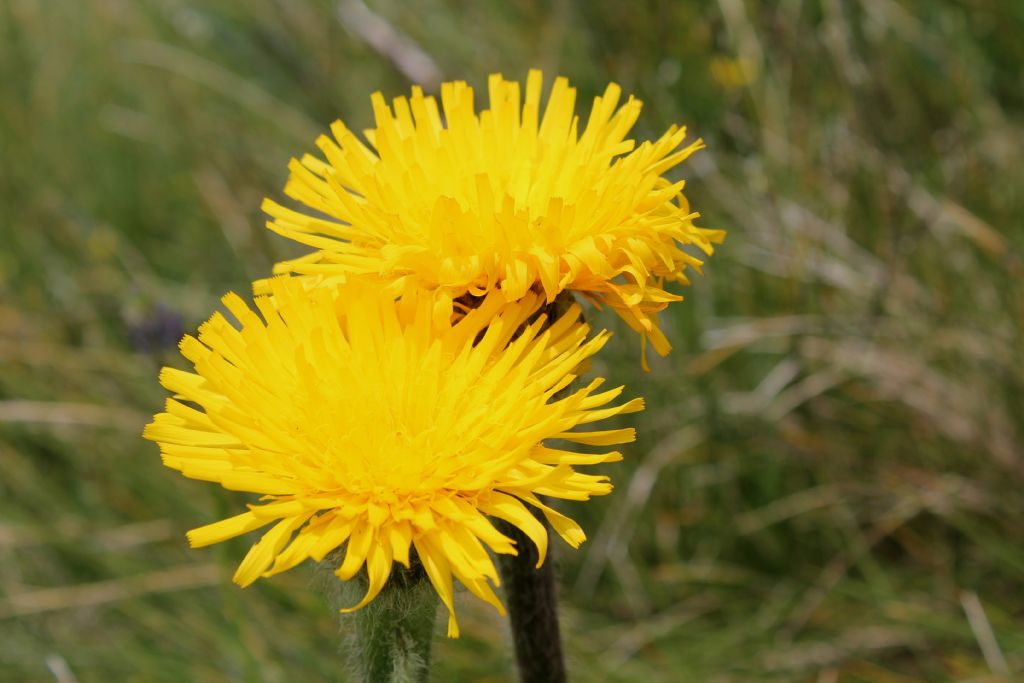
[[828, 484]]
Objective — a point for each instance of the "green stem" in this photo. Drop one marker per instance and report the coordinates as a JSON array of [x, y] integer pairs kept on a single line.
[[532, 609], [531, 591], [394, 633]]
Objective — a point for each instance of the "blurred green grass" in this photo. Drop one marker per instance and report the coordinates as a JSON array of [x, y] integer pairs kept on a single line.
[[828, 482]]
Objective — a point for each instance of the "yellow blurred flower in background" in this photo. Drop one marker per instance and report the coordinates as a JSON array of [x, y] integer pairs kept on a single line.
[[458, 202], [733, 73], [363, 420]]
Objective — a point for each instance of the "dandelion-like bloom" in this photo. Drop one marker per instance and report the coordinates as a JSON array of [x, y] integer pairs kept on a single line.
[[505, 199], [365, 421]]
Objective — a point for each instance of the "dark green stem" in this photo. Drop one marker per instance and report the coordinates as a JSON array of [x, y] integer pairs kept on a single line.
[[530, 591], [532, 610]]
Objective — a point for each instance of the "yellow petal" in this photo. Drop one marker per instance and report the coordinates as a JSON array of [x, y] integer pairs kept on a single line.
[[225, 529], [261, 555]]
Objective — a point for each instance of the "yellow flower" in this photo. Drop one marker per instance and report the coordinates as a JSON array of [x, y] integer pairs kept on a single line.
[[733, 73], [507, 199], [364, 421]]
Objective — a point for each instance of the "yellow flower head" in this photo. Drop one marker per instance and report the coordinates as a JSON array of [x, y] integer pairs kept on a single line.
[[505, 199], [364, 421]]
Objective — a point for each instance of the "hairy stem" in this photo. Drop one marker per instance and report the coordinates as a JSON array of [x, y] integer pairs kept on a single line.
[[393, 634]]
